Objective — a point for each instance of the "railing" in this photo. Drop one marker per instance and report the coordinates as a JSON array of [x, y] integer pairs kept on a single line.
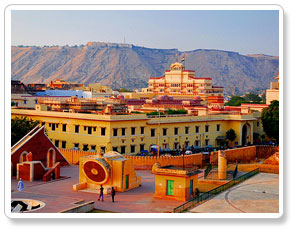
[[204, 196]]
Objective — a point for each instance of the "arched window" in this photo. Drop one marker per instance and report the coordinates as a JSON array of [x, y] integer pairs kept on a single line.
[[22, 157], [51, 158]]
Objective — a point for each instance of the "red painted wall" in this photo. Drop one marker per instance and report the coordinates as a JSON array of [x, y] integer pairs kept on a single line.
[[39, 146]]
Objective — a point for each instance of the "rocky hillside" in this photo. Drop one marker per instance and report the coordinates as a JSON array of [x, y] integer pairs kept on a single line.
[[129, 66]]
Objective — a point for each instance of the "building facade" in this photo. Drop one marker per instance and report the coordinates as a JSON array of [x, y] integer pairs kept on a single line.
[[131, 134], [179, 82], [273, 92]]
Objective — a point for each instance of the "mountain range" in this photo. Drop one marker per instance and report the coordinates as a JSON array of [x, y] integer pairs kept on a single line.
[[129, 66]]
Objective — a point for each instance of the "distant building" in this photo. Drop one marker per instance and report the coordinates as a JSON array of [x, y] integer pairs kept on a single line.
[[61, 84], [178, 82], [273, 92]]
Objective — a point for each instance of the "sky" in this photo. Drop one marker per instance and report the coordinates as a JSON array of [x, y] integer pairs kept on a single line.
[[246, 32]]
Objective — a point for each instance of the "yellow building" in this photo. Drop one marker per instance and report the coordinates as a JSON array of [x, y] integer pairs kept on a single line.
[[175, 183], [273, 92], [130, 134]]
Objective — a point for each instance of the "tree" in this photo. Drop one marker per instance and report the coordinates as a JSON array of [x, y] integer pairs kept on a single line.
[[20, 127], [252, 97], [230, 135], [270, 120], [179, 111], [235, 101]]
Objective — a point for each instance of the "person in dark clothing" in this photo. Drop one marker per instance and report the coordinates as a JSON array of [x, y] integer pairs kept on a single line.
[[113, 193], [100, 193]]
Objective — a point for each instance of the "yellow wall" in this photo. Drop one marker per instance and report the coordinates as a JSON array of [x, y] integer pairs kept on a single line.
[[110, 122], [181, 187]]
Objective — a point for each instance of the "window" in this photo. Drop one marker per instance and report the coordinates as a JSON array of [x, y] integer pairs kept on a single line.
[[85, 147], [197, 129], [76, 145], [123, 149], [142, 129], [63, 144], [64, 127], [89, 130], [93, 147], [152, 132], [258, 124], [176, 131], [207, 142], [133, 130], [176, 145], [102, 131], [142, 147], [36, 101], [218, 127], [102, 149], [115, 132], [57, 143], [206, 128], [53, 126], [197, 143], [76, 128], [187, 130], [187, 144], [25, 101], [164, 131], [115, 149], [123, 131], [43, 123], [133, 148], [94, 128]]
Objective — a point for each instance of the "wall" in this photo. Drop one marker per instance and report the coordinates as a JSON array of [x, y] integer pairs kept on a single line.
[[245, 154], [38, 145], [146, 162]]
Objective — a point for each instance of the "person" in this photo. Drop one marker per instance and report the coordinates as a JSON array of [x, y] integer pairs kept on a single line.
[[100, 193], [113, 193], [20, 185]]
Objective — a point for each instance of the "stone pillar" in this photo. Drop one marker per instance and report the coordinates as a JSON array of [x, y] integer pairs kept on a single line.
[[222, 165]]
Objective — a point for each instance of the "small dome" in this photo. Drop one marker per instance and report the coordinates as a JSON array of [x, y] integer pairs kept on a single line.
[[176, 66]]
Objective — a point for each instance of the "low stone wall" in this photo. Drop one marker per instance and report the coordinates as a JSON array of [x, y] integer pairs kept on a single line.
[[264, 168], [146, 162], [245, 154], [82, 208], [207, 185], [72, 156]]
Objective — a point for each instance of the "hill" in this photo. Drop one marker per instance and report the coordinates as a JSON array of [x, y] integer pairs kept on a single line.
[[129, 66]]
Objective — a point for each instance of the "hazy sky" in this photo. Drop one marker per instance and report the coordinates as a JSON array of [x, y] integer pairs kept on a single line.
[[246, 32]]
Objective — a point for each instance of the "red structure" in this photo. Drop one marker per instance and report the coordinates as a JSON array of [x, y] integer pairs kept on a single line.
[[34, 155]]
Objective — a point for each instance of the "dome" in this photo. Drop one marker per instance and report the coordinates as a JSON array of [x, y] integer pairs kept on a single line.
[[176, 66]]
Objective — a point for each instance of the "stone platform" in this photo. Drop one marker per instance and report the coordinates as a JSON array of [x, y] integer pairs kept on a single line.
[[258, 194]]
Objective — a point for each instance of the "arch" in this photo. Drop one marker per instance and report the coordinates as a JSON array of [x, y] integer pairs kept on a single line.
[[22, 157], [51, 157], [246, 134]]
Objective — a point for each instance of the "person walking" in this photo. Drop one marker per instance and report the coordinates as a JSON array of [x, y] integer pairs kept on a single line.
[[113, 193], [20, 185], [100, 193]]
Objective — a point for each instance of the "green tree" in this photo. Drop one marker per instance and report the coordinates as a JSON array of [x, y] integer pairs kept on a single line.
[[235, 101], [20, 127], [179, 111], [230, 135], [252, 97], [270, 120]]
